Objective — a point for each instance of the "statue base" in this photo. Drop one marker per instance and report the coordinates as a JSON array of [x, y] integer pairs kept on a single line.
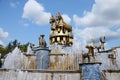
[[90, 71], [42, 57]]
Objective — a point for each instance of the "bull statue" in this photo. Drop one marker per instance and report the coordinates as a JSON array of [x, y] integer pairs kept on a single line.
[[89, 54]]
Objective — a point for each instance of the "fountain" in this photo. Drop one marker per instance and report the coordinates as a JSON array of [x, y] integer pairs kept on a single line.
[[58, 62]]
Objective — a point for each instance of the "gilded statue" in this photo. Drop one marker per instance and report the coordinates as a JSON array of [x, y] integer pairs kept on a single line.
[[90, 50], [53, 23], [61, 23], [112, 56], [42, 42], [89, 54], [102, 41], [61, 32]]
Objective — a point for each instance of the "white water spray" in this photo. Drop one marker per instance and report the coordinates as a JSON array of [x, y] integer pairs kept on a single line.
[[15, 60]]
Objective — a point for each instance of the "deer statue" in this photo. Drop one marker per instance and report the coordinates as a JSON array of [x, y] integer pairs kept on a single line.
[[102, 40], [42, 42]]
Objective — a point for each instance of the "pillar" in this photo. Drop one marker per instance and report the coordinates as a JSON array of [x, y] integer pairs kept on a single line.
[[91, 71], [42, 58]]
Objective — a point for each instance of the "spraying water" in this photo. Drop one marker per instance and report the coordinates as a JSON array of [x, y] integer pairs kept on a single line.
[[16, 60], [29, 50]]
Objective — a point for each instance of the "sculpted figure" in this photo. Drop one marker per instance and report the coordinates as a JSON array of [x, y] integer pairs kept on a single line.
[[89, 54], [61, 23], [84, 56], [102, 40], [42, 42], [112, 56], [53, 23]]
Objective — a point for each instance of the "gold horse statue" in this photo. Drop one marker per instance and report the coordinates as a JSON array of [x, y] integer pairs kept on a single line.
[[53, 23], [61, 23]]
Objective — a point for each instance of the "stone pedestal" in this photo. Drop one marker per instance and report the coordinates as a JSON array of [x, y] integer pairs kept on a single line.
[[91, 71], [42, 57]]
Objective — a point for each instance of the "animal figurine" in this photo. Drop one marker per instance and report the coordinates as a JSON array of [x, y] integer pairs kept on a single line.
[[42, 42], [89, 54], [53, 23], [102, 40], [112, 56], [84, 56], [62, 24]]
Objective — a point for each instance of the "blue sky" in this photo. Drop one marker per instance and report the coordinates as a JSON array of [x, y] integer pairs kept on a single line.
[[25, 20]]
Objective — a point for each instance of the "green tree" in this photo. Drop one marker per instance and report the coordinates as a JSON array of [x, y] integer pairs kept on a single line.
[[11, 45], [2, 50], [23, 47]]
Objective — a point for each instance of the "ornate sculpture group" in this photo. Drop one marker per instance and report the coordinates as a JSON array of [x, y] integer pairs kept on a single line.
[[61, 32], [91, 48]]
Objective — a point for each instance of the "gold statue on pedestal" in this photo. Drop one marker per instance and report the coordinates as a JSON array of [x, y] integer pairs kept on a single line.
[[112, 56], [42, 42], [61, 32], [101, 46], [90, 50], [89, 54], [62, 24], [53, 23]]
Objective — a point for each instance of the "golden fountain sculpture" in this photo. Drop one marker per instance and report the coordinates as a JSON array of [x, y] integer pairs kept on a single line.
[[61, 32]]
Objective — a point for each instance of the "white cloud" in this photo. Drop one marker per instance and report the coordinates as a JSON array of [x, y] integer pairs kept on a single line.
[[102, 20], [66, 18], [14, 4], [103, 13], [3, 35], [1, 43], [36, 13], [85, 35], [25, 24]]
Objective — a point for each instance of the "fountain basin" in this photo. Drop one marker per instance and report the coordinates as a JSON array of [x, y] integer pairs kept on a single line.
[[33, 74]]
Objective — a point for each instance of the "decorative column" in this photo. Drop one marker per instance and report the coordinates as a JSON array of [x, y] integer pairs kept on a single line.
[[42, 58], [91, 71], [42, 54]]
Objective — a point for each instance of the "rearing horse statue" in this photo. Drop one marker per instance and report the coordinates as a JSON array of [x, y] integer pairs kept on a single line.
[[53, 23], [61, 23]]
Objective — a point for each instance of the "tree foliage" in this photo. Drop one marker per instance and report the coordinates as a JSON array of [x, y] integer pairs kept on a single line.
[[11, 45]]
